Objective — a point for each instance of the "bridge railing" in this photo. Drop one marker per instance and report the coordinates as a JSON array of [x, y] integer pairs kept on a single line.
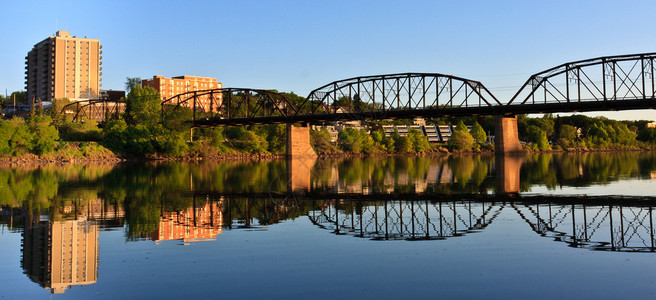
[[609, 78]]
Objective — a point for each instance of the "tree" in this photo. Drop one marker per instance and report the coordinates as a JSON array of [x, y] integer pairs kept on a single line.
[[253, 143], [419, 140], [647, 135], [538, 136], [403, 144], [21, 139], [320, 140], [461, 139], [131, 82], [598, 134], [349, 140], [478, 133], [567, 135], [45, 135], [143, 106], [58, 118], [275, 137]]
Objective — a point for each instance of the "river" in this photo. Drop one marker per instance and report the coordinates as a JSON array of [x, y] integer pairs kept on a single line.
[[539, 226]]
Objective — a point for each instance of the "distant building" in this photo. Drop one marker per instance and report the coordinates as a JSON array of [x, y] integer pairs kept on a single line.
[[63, 66], [651, 125], [112, 95], [169, 87]]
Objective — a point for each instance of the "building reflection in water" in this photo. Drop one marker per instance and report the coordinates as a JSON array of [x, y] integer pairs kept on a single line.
[[196, 223], [63, 253], [60, 254]]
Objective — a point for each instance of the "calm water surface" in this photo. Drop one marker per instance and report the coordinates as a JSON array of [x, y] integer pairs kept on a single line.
[[539, 226]]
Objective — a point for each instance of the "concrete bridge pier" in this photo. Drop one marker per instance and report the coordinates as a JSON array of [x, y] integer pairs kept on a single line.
[[300, 158], [298, 142], [506, 136]]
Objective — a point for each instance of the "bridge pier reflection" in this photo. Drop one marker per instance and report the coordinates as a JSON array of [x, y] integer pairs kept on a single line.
[[507, 169], [299, 172]]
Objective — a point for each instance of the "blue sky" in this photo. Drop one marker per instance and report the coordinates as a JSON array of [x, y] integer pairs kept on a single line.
[[301, 45]]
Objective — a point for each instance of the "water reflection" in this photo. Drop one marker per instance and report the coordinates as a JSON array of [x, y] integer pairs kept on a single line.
[[61, 210], [580, 223], [200, 222], [597, 227], [407, 220], [59, 254]]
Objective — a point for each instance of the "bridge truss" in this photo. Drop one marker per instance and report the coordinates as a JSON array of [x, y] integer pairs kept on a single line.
[[369, 97], [604, 83], [234, 106], [98, 110]]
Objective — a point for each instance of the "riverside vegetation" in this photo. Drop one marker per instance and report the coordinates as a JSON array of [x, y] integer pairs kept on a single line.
[[138, 132]]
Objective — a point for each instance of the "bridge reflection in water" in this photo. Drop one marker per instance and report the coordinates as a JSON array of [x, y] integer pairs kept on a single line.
[[594, 223], [404, 220]]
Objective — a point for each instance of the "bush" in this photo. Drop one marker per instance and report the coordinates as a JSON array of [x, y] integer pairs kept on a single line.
[[419, 141], [252, 143], [172, 143], [537, 136], [461, 139], [567, 135], [320, 140], [356, 141]]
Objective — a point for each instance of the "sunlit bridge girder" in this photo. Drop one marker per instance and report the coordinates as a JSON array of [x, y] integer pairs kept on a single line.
[[98, 110], [603, 83], [381, 95]]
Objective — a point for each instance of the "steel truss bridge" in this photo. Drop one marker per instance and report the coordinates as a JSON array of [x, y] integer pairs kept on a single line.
[[94, 109], [606, 83], [592, 222]]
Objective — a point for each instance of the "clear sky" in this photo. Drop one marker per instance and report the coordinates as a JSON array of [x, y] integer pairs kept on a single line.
[[301, 45]]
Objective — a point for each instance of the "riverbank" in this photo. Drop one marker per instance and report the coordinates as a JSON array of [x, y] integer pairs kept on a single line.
[[90, 152]]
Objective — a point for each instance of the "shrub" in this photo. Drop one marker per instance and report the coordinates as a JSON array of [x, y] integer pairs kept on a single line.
[[461, 139]]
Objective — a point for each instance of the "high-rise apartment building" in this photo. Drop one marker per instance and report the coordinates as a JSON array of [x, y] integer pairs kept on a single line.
[[169, 87], [63, 66]]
